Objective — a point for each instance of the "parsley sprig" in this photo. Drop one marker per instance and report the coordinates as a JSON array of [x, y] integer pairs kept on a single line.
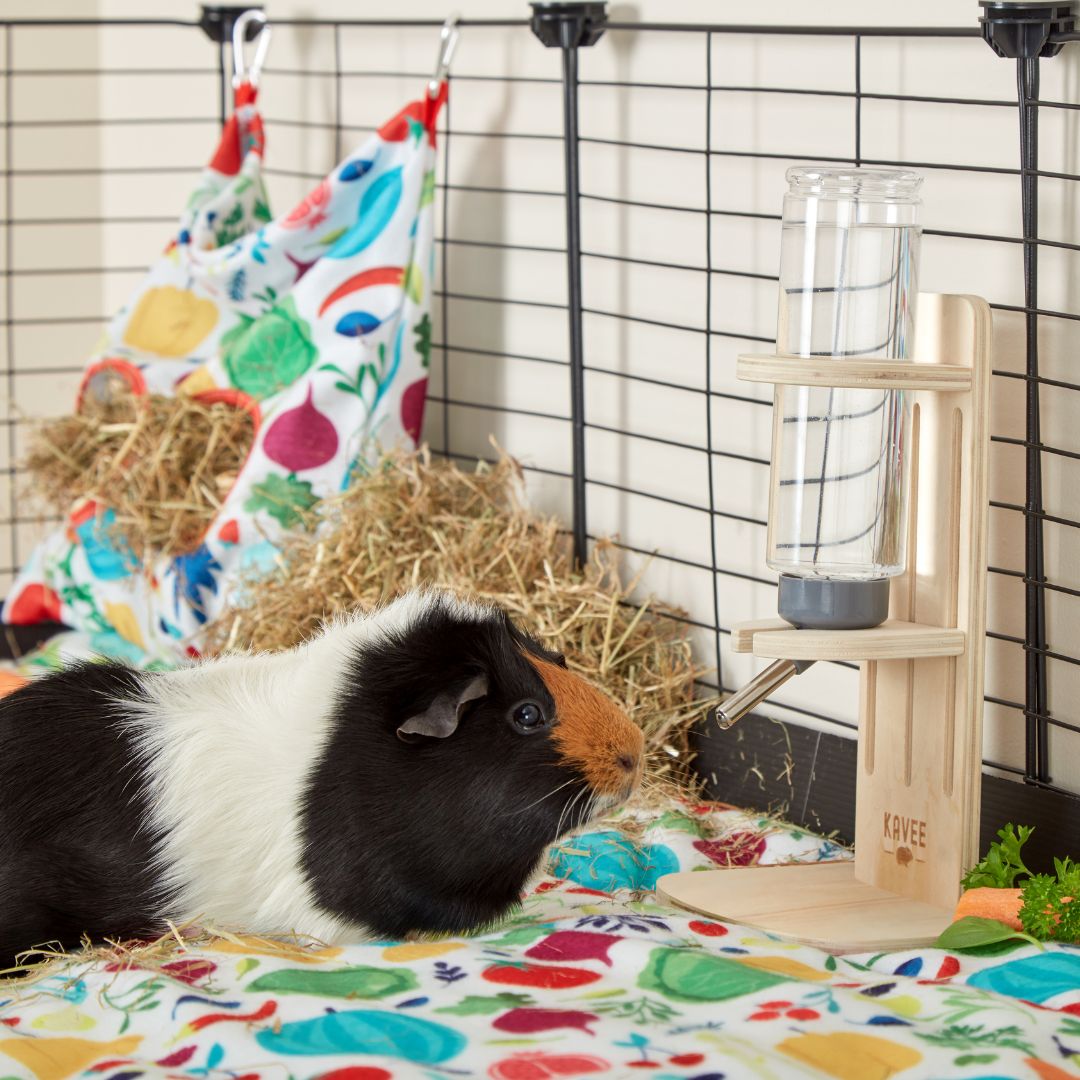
[[1002, 865], [1051, 903]]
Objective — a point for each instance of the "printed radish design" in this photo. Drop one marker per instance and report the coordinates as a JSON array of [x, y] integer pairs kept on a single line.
[[301, 438]]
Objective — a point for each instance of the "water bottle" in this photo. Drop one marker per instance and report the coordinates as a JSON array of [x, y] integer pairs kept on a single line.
[[848, 269]]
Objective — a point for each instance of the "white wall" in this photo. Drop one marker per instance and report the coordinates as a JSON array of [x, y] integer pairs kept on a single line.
[[494, 144]]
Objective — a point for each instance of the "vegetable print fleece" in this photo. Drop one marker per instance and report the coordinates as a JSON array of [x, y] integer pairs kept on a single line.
[[591, 978], [317, 323]]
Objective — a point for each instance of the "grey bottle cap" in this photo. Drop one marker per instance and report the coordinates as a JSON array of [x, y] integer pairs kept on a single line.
[[833, 603]]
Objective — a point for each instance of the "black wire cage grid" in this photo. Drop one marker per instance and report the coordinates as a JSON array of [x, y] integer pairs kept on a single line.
[[607, 242]]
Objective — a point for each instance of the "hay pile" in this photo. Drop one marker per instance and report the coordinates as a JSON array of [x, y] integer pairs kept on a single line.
[[414, 520], [163, 465]]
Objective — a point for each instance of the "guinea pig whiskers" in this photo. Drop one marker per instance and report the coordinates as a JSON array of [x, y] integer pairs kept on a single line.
[[567, 812], [535, 802]]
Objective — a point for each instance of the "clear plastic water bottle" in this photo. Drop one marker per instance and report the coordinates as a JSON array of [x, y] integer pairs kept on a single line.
[[848, 264]]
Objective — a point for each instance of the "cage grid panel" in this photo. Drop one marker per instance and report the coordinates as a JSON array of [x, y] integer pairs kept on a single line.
[[685, 136]]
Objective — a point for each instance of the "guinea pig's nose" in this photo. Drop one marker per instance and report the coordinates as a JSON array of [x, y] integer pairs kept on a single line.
[[627, 762]]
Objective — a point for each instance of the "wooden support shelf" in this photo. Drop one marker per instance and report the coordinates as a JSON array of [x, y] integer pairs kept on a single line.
[[852, 372], [820, 904], [894, 639]]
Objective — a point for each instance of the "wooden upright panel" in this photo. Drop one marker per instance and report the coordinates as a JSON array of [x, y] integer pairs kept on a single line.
[[920, 737]]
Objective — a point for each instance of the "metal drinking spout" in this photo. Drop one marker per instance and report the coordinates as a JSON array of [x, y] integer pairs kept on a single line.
[[757, 690]]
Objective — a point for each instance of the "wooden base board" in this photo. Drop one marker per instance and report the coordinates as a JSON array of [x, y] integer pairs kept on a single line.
[[818, 904]]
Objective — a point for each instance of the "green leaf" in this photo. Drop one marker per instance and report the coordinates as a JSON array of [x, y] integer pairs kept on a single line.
[[414, 283], [427, 189], [422, 330], [477, 1005], [348, 388], [1003, 864], [351, 982], [972, 932], [249, 963], [283, 497], [1050, 908], [333, 237]]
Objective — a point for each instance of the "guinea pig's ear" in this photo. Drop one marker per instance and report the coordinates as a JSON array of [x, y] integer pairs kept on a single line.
[[560, 659], [440, 719]]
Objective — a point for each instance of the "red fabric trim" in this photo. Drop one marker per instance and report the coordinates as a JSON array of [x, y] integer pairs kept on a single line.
[[237, 398], [130, 373], [425, 112], [238, 137]]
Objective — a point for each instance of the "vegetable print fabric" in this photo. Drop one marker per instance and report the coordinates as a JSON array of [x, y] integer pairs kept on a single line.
[[316, 323], [591, 978]]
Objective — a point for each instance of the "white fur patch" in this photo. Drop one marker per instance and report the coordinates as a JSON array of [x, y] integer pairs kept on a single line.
[[229, 745]]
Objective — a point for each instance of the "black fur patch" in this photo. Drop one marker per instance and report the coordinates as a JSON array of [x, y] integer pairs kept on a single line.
[[443, 834], [75, 853]]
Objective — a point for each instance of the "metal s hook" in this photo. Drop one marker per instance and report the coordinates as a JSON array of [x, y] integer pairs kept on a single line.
[[448, 39], [239, 36]]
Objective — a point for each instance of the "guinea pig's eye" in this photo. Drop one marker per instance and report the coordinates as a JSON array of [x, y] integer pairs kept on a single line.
[[528, 716]]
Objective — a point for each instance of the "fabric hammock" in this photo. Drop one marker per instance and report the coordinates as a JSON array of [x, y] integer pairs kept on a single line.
[[316, 323]]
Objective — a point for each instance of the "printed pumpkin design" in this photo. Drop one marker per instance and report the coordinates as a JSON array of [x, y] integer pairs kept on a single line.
[[170, 322], [264, 355]]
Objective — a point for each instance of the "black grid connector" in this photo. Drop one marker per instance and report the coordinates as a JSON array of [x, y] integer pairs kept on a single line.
[[1022, 30], [569, 25], [217, 21]]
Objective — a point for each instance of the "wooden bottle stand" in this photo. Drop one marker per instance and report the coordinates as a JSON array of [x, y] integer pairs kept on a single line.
[[921, 686]]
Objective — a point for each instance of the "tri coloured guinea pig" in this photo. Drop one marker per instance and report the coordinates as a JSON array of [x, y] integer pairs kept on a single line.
[[401, 772]]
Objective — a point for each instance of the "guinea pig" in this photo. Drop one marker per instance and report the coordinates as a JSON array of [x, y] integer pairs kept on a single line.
[[402, 772]]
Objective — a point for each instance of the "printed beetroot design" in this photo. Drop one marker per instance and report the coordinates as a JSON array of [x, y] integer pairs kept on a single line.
[[574, 945], [301, 438], [530, 1021], [737, 849], [412, 408]]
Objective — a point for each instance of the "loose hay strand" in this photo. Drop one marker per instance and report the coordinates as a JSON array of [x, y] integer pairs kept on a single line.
[[412, 519]]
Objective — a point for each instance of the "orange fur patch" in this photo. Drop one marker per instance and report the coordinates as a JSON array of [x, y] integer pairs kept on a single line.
[[591, 731]]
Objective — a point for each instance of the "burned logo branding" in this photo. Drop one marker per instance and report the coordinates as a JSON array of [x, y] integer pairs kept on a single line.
[[905, 837]]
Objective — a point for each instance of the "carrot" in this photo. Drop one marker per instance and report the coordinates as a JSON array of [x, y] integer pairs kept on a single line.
[[987, 903]]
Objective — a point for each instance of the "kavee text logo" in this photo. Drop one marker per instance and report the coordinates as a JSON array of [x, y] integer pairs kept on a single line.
[[904, 837]]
